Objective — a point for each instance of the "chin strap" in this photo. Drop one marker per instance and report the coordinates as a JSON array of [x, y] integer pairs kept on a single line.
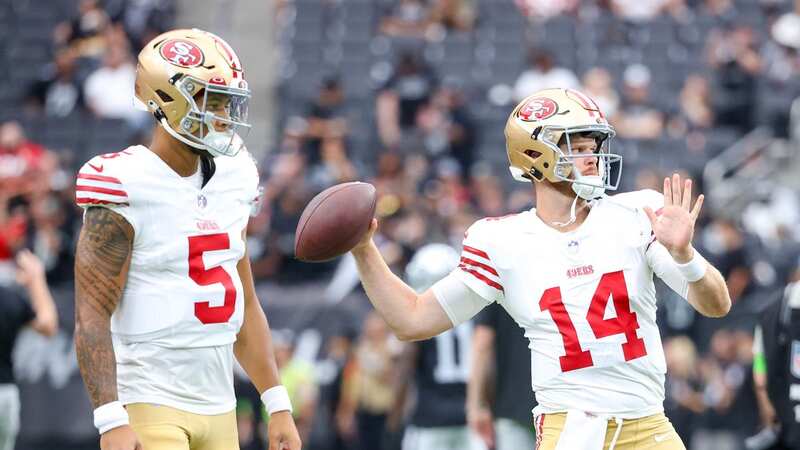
[[572, 215], [176, 135], [573, 211]]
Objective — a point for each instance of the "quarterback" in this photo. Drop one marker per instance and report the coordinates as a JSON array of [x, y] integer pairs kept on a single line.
[[163, 288], [576, 273]]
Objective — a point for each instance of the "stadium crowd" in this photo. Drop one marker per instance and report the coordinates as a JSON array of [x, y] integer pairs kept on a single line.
[[412, 96]]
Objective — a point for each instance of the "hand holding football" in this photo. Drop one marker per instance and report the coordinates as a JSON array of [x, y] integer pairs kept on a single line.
[[334, 221]]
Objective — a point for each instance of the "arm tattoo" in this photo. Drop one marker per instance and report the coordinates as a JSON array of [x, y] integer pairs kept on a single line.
[[101, 270]]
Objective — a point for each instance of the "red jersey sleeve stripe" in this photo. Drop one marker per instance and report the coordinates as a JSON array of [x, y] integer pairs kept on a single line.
[[101, 190], [483, 266], [87, 176], [475, 251], [94, 201], [482, 277]]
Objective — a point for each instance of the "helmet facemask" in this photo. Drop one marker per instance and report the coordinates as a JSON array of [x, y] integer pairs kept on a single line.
[[217, 117], [609, 165]]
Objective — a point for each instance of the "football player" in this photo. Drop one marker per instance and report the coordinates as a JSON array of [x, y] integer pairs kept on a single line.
[[576, 273], [164, 292], [439, 369]]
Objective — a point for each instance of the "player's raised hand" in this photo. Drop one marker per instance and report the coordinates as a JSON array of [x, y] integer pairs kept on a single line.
[[674, 225], [282, 432], [120, 438], [364, 242]]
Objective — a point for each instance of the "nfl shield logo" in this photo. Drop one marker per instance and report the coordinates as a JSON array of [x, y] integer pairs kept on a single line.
[[201, 201], [572, 247], [795, 363]]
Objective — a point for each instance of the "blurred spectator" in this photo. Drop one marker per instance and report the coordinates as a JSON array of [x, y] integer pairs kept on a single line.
[[692, 122], [781, 82], [365, 409], [24, 165], [679, 10], [731, 413], [16, 312], [684, 386], [142, 19], [499, 408], [725, 242], [637, 118], [488, 194], [694, 106], [109, 89], [84, 34], [459, 15], [325, 118], [447, 129], [721, 11], [298, 378], [401, 98], [599, 86], [734, 55], [407, 18], [338, 351], [542, 73], [545, 9], [638, 10], [58, 92]]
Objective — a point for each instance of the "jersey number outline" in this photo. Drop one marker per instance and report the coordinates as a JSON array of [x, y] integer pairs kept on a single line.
[[207, 276], [452, 355], [612, 285]]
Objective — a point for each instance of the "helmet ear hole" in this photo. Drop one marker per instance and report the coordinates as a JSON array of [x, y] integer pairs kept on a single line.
[[533, 154], [166, 98]]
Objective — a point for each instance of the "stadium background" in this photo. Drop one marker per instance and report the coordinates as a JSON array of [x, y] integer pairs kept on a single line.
[[412, 95]]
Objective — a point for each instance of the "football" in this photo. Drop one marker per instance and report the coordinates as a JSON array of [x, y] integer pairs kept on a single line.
[[334, 221]]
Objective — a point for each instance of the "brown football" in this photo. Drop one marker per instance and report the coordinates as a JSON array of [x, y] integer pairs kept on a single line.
[[334, 221]]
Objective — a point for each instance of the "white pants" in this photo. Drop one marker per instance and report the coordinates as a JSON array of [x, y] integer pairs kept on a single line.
[[512, 435], [9, 416], [441, 438]]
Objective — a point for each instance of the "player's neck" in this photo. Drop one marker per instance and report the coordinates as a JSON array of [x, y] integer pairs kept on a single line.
[[174, 153], [553, 205]]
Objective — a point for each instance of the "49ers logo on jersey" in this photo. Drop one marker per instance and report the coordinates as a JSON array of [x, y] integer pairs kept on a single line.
[[182, 53], [538, 108]]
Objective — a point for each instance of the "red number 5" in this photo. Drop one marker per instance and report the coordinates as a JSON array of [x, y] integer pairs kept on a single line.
[[611, 285], [206, 277]]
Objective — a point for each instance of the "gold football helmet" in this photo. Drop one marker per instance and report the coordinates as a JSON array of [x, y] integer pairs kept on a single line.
[[193, 83], [548, 118]]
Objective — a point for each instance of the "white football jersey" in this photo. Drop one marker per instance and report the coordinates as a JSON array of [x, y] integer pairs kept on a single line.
[[183, 303], [585, 300]]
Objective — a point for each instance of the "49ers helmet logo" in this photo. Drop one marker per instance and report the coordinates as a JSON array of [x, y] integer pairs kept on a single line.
[[182, 53], [537, 108]]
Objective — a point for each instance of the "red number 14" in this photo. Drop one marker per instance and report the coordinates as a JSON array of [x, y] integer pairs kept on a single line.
[[612, 285]]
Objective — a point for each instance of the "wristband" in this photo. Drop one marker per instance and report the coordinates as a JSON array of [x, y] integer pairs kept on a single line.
[[276, 399], [109, 416], [695, 269]]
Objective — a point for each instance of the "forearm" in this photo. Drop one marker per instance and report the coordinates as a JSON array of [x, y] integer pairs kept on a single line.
[[394, 300], [709, 295], [96, 359], [482, 354], [253, 350], [46, 321]]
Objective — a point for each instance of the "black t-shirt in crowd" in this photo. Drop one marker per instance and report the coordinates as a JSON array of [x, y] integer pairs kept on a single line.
[[513, 396], [441, 375], [15, 313]]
